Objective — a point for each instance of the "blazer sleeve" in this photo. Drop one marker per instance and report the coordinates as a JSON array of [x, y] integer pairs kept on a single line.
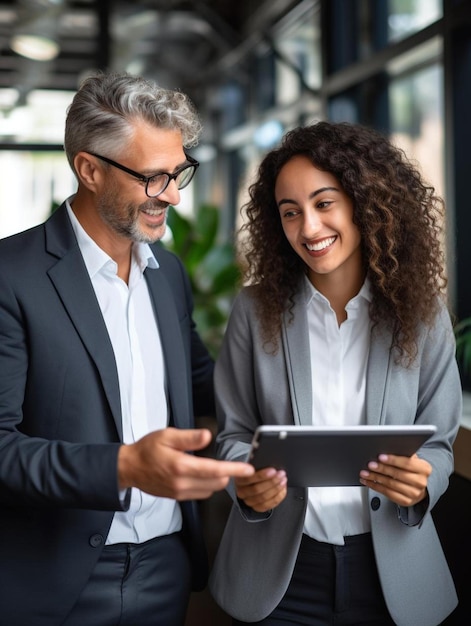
[[439, 402], [34, 469]]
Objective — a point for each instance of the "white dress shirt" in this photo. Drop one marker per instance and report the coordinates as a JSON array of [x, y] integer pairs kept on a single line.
[[339, 356], [132, 328]]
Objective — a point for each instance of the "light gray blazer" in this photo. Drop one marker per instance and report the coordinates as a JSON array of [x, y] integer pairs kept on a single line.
[[257, 554]]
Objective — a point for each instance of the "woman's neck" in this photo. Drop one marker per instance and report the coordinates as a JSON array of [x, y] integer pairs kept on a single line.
[[339, 289]]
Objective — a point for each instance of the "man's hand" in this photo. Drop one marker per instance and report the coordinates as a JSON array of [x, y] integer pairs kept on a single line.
[[159, 464], [402, 479], [264, 490]]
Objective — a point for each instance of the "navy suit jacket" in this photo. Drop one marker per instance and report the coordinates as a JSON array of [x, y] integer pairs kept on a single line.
[[60, 416]]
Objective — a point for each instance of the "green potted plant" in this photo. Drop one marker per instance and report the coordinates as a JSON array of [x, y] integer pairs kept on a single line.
[[211, 266]]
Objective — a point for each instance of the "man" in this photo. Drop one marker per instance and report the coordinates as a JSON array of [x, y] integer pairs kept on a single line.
[[100, 365]]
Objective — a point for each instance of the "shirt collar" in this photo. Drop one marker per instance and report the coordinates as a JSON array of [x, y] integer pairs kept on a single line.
[[96, 259]]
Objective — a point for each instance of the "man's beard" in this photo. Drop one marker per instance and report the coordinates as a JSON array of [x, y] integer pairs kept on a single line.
[[125, 221]]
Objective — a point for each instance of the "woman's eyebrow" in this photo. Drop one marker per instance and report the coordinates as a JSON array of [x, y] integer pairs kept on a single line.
[[311, 195], [321, 190]]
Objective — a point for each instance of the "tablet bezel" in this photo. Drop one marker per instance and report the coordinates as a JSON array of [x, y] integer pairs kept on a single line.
[[322, 456]]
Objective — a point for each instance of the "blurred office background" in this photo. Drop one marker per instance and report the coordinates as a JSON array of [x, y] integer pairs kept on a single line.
[[255, 68]]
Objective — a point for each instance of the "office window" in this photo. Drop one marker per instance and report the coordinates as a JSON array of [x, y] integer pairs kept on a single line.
[[416, 108], [32, 179], [361, 28], [406, 17], [38, 116], [417, 124], [262, 78], [298, 55], [230, 102], [32, 182]]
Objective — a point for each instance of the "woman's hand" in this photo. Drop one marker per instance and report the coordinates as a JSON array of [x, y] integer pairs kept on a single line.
[[402, 479], [262, 491]]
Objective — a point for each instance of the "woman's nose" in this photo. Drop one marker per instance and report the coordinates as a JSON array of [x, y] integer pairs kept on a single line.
[[311, 224]]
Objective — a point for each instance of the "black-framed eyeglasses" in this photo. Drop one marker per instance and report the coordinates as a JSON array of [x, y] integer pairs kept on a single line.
[[158, 183]]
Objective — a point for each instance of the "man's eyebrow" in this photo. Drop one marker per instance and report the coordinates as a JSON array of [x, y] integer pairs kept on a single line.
[[150, 173]]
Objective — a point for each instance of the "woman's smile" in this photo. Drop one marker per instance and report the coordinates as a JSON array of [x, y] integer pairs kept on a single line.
[[317, 219]]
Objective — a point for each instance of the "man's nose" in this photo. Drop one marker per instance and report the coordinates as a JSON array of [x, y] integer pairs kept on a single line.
[[171, 194]]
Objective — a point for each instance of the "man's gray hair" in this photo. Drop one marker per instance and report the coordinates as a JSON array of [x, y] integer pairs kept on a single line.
[[102, 113]]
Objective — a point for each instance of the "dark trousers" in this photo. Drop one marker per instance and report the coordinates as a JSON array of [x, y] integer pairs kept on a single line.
[[137, 585], [332, 586]]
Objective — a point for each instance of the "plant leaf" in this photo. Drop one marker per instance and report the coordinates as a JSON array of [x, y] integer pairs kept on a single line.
[[181, 232], [211, 267]]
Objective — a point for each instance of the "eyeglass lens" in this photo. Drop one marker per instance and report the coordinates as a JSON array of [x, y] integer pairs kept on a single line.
[[157, 184]]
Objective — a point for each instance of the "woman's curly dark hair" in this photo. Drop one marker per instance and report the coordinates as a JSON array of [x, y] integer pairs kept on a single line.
[[399, 217]]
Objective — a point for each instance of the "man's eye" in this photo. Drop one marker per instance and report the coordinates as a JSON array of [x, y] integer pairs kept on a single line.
[[157, 179]]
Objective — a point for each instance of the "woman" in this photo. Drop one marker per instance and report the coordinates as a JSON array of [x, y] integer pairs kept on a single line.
[[344, 323]]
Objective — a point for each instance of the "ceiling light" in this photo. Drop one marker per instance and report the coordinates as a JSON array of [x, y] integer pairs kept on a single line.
[[35, 34], [36, 47]]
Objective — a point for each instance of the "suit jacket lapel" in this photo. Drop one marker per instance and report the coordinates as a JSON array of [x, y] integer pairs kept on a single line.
[[72, 282], [172, 345], [70, 278]]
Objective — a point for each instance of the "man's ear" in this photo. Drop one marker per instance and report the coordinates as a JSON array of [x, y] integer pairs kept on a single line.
[[89, 173]]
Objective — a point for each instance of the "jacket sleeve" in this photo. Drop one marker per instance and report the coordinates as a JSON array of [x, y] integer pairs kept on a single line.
[[36, 468], [439, 402]]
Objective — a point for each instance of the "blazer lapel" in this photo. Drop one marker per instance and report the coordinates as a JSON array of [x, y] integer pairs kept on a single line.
[[72, 282], [377, 376], [295, 340]]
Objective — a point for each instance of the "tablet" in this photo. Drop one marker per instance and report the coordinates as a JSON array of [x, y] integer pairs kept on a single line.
[[319, 456]]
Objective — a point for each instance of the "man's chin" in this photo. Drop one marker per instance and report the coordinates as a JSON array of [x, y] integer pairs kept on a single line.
[[149, 235]]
